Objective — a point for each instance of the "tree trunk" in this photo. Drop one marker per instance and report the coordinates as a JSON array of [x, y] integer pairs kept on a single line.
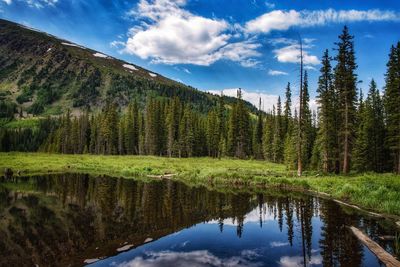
[[325, 164], [300, 136], [398, 161], [346, 140]]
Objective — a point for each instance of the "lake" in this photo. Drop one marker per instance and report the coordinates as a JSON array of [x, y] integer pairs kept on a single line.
[[78, 219]]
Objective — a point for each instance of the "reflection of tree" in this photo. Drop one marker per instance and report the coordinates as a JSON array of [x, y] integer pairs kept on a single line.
[[338, 246], [289, 219], [53, 219]]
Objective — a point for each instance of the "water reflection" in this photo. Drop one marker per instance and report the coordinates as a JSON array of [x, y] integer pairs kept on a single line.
[[67, 219]]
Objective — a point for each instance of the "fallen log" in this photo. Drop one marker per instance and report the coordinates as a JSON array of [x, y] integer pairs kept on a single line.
[[163, 176], [358, 208], [379, 252]]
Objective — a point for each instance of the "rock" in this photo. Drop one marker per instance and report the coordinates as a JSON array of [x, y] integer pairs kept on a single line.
[[149, 239], [124, 248], [88, 261]]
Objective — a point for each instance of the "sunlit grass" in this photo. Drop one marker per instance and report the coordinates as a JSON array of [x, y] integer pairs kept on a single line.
[[378, 192]]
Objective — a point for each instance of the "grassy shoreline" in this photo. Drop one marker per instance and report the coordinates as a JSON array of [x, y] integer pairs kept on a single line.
[[375, 192]]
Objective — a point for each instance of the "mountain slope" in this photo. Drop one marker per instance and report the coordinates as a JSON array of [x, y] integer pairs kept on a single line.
[[42, 74]]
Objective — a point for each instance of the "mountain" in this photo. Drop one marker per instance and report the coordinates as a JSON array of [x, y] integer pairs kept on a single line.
[[43, 74]]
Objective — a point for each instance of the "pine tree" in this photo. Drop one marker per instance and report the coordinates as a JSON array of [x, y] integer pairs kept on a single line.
[[221, 127], [172, 125], [239, 132], [121, 136], [213, 134], [345, 84], [392, 106], [268, 135], [186, 134], [132, 128], [307, 139], [258, 133], [361, 144], [277, 142], [290, 147], [287, 113], [369, 150], [327, 134]]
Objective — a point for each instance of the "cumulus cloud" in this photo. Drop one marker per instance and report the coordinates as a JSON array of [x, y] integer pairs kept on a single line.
[[290, 52], [197, 258], [276, 72], [167, 33], [254, 215], [283, 20], [171, 35]]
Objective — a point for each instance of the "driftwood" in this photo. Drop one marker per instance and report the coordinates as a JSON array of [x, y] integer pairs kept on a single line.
[[163, 176], [382, 254]]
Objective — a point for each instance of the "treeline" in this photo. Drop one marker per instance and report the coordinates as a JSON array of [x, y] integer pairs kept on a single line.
[[348, 132]]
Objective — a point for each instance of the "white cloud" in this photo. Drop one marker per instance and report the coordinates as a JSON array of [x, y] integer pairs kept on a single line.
[[291, 54], [197, 258], [176, 36], [308, 67], [254, 215], [37, 3], [269, 5], [276, 72], [274, 20], [283, 20], [8, 2], [186, 70], [117, 44]]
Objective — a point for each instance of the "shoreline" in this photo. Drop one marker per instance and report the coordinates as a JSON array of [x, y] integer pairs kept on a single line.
[[376, 194]]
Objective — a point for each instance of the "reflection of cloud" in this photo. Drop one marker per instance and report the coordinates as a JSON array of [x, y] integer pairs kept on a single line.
[[297, 261], [251, 217], [185, 243], [276, 244], [196, 258]]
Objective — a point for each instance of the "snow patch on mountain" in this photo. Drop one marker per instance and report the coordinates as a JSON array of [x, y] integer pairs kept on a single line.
[[97, 54], [128, 66]]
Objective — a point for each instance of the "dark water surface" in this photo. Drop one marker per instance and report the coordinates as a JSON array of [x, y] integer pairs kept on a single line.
[[70, 219]]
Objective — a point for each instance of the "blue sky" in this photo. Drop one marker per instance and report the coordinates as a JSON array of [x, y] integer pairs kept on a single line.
[[219, 44]]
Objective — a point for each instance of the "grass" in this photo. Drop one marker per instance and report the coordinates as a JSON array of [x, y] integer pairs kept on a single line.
[[376, 192], [22, 123]]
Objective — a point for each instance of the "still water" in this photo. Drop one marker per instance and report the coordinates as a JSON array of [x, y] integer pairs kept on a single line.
[[77, 219]]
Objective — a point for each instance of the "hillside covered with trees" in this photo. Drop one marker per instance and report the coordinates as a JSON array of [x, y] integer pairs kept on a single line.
[[43, 75]]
